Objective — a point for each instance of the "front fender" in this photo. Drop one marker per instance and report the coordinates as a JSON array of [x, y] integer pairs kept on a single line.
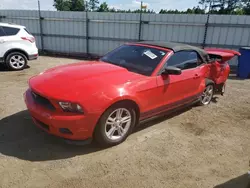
[[100, 101]]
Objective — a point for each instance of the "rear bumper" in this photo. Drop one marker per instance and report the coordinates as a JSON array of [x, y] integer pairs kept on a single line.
[[69, 127], [33, 57]]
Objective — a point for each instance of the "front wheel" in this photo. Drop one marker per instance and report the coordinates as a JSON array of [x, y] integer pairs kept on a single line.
[[207, 95], [115, 125]]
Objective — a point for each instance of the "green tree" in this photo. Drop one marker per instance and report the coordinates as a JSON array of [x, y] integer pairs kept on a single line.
[[103, 7], [223, 6], [93, 5], [69, 5], [198, 10], [62, 5], [246, 7], [194, 10], [77, 5]]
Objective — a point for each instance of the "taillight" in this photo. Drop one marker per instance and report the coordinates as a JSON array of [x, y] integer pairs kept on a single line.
[[31, 39]]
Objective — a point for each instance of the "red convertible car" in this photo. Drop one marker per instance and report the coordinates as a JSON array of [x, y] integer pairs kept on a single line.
[[106, 99]]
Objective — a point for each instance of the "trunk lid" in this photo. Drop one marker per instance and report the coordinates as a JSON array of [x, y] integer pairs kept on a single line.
[[219, 69], [221, 54]]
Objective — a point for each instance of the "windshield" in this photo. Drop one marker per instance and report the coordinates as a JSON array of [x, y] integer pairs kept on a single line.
[[140, 59]]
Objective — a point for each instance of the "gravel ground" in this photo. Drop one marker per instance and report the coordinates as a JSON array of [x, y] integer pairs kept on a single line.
[[197, 147]]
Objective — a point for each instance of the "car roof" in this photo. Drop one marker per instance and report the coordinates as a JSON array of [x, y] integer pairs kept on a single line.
[[176, 47], [11, 25]]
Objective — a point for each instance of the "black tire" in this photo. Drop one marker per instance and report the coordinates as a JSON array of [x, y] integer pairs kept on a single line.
[[8, 61], [201, 101], [100, 136]]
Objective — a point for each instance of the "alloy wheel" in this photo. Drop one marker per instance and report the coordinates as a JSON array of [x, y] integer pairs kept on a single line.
[[17, 62], [207, 95], [118, 124]]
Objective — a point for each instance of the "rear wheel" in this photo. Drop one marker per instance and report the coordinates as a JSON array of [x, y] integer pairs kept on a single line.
[[16, 61], [207, 95], [115, 125]]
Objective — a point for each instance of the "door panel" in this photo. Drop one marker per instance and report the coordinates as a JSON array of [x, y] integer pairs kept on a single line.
[[177, 90], [178, 87]]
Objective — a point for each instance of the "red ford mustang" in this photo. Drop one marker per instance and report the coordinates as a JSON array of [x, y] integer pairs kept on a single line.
[[106, 99]]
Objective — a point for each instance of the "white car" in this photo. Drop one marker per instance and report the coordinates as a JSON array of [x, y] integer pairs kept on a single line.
[[17, 46]]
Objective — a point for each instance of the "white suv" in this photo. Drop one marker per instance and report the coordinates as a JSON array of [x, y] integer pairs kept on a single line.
[[17, 46]]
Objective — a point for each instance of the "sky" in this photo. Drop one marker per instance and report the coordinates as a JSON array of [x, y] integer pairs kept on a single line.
[[118, 4]]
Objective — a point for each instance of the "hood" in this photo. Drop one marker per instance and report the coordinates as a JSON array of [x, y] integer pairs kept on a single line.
[[80, 79]]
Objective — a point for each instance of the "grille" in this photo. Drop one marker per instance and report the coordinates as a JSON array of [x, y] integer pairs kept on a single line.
[[42, 101]]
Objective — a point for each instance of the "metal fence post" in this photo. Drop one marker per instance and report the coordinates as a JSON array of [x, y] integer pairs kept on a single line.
[[1, 16], [205, 33], [41, 26], [140, 23], [206, 25], [87, 30]]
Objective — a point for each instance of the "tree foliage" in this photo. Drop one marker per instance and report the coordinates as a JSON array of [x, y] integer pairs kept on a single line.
[[194, 10], [103, 8], [227, 6], [93, 5], [69, 5], [239, 7]]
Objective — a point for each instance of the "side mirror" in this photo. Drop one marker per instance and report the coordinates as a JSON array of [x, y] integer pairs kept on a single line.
[[171, 71]]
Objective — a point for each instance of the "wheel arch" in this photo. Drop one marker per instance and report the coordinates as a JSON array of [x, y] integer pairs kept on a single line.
[[133, 104], [130, 102], [209, 81], [15, 50], [125, 101]]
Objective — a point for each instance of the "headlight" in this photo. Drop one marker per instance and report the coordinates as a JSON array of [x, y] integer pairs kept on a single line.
[[71, 107]]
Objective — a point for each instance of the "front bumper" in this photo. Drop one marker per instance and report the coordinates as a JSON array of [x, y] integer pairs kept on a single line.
[[70, 127]]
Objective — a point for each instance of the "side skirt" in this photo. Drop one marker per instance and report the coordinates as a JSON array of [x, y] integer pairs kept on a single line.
[[169, 111]]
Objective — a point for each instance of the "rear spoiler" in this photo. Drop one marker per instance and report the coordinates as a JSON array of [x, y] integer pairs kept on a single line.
[[222, 54]]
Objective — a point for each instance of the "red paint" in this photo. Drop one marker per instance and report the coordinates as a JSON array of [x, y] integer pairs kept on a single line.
[[219, 70], [97, 85]]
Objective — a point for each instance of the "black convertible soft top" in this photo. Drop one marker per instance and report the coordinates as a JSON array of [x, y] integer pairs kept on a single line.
[[176, 47]]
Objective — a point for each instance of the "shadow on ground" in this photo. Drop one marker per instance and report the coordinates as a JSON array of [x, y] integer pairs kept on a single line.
[[242, 181], [4, 68], [20, 138]]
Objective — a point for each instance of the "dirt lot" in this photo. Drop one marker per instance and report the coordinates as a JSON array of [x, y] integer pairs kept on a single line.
[[198, 147]]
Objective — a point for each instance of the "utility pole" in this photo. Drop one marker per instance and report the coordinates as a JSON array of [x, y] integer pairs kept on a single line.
[[140, 23], [87, 28], [41, 25], [206, 25]]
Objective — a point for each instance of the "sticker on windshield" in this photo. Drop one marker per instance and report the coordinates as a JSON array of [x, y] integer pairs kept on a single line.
[[162, 53], [150, 54]]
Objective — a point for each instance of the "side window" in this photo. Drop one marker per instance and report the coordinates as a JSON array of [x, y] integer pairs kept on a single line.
[[1, 32], [184, 60], [10, 31]]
